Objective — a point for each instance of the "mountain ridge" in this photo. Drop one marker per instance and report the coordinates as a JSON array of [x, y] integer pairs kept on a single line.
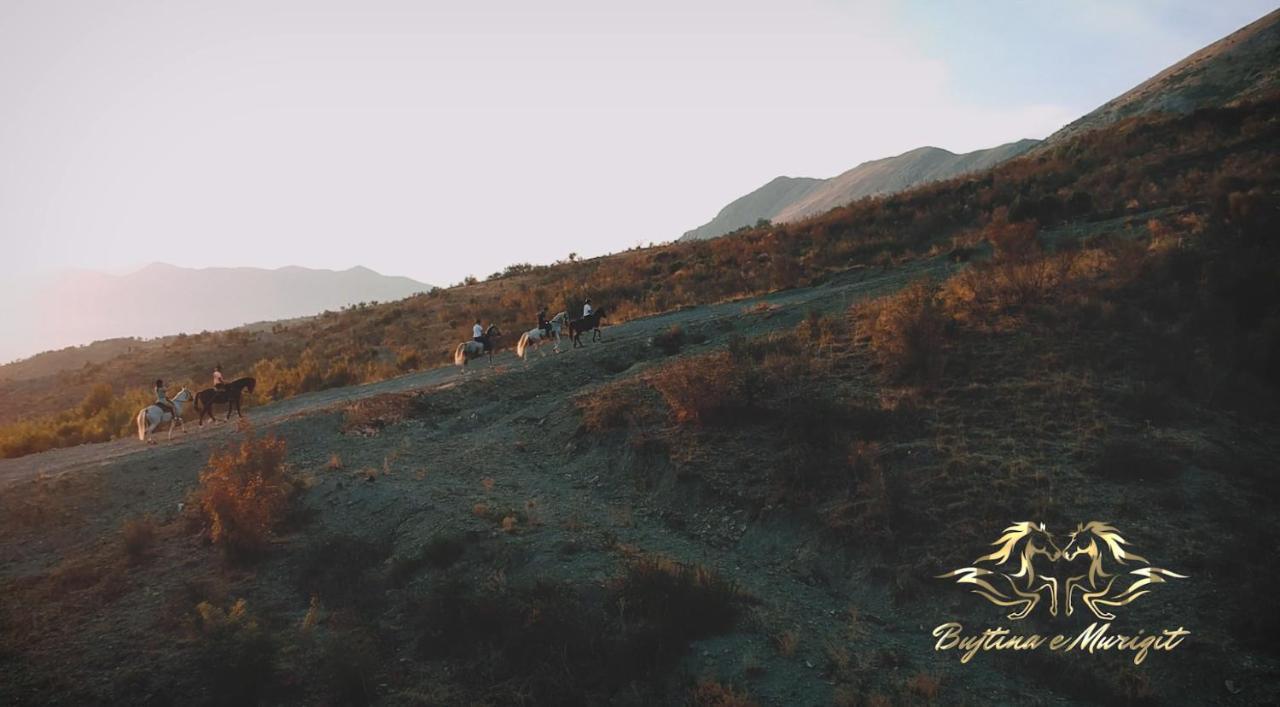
[[1236, 68], [785, 199]]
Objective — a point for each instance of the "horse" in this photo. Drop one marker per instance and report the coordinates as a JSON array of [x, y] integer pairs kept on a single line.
[[535, 338], [468, 350], [230, 394], [1099, 543], [152, 416], [1012, 563], [590, 323]]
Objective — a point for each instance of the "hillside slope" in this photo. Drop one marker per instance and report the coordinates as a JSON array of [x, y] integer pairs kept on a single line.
[[1241, 66], [792, 198]]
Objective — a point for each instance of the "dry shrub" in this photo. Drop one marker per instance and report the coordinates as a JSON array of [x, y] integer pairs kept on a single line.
[[675, 602], [138, 534], [244, 492], [701, 389], [670, 341], [100, 579], [612, 406], [870, 508], [369, 417], [236, 656], [712, 693], [786, 642], [440, 552], [339, 570], [925, 686], [348, 663], [906, 332]]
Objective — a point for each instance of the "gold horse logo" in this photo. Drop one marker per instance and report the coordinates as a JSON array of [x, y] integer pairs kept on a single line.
[[1093, 565]]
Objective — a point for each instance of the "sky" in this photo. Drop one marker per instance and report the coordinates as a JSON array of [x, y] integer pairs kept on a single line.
[[436, 140]]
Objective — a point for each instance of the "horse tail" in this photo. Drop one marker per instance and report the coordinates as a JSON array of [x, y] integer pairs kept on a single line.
[[197, 402], [522, 344], [460, 355], [142, 425]]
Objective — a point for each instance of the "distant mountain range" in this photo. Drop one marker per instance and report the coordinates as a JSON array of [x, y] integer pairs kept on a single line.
[[162, 299], [1239, 67], [793, 198]]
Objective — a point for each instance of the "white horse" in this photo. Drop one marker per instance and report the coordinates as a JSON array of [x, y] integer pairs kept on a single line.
[[535, 338], [152, 416], [468, 350]]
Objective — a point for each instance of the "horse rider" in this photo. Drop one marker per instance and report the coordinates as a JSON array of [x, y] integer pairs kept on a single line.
[[218, 382], [586, 308], [477, 333], [543, 324], [162, 400]]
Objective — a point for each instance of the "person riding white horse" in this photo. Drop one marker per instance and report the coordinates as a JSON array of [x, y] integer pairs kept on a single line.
[[481, 343], [535, 338], [156, 414], [162, 400]]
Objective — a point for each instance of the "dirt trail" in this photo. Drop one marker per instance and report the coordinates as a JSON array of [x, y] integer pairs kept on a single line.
[[775, 310]]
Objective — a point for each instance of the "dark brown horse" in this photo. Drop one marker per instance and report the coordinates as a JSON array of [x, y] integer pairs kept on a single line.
[[229, 394], [590, 323]]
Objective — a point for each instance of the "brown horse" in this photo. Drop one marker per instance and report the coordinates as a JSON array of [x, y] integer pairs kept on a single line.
[[590, 323], [229, 394]]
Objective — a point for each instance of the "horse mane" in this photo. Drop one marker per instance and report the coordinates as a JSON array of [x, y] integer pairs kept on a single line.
[[1106, 536], [1013, 536]]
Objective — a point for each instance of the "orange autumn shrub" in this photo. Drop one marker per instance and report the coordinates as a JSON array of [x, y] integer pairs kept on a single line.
[[244, 492]]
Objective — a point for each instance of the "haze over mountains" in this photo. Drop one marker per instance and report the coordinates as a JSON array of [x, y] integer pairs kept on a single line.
[[793, 198], [160, 299]]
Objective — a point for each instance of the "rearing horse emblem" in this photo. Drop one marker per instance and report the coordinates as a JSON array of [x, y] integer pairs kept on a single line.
[[1094, 566]]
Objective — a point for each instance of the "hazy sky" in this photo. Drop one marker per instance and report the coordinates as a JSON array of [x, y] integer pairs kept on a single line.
[[435, 139]]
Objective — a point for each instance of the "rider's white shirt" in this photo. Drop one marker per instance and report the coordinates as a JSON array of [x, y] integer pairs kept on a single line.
[[586, 310], [477, 331]]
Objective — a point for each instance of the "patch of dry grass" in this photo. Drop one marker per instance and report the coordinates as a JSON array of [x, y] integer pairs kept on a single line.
[[244, 491]]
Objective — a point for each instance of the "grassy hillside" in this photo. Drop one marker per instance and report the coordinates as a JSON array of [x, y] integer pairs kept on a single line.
[[746, 505], [1221, 162], [732, 505]]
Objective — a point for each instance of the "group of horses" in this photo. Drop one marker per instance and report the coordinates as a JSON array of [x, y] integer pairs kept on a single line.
[[152, 416], [534, 338]]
